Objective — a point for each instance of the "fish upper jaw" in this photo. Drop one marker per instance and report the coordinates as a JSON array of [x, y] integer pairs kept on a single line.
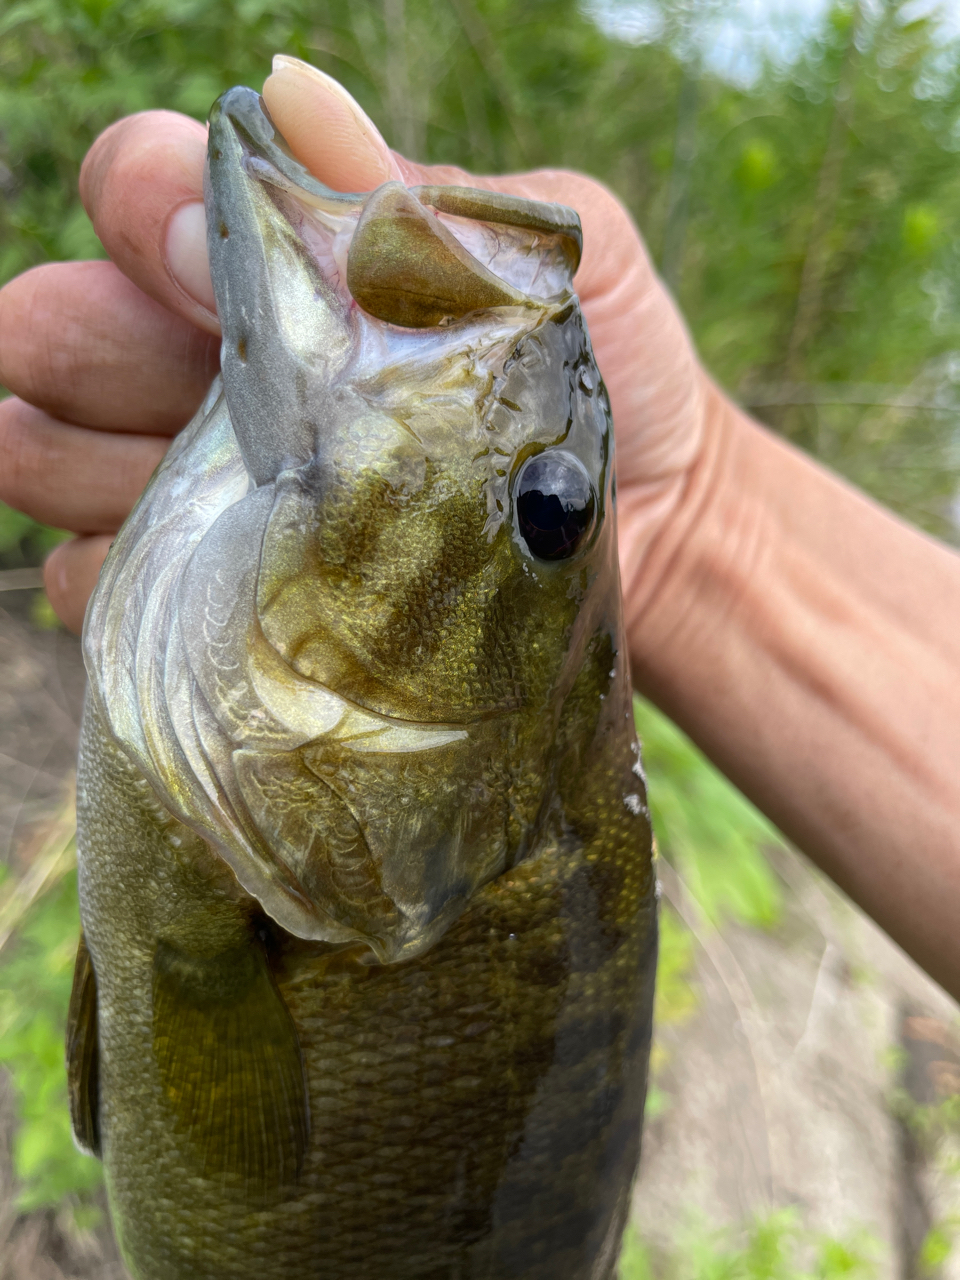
[[286, 327]]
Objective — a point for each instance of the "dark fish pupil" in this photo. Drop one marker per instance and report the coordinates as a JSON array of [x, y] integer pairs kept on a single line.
[[555, 505]]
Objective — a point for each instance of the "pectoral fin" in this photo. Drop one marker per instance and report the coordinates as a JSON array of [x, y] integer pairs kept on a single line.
[[230, 1064], [83, 1056]]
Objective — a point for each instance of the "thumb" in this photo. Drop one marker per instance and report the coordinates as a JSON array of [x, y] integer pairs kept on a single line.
[[328, 132], [333, 137]]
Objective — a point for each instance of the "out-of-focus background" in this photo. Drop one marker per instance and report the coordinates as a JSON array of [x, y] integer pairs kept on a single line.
[[795, 168]]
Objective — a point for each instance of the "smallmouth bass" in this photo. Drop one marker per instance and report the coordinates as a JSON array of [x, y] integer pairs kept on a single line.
[[369, 917]]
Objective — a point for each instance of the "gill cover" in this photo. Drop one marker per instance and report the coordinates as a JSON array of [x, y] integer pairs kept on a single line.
[[308, 635]]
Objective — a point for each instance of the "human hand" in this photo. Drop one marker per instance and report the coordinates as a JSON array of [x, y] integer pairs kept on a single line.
[[107, 360]]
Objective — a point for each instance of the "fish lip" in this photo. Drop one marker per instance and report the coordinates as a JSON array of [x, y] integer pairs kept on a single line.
[[285, 322], [244, 112]]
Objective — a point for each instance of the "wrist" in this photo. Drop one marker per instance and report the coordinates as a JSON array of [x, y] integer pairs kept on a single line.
[[809, 642], [680, 537]]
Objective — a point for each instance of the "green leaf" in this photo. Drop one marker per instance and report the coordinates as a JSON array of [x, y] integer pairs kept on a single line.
[[921, 229], [758, 167]]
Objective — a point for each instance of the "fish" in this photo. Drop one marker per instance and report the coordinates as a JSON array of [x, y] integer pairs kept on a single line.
[[369, 913]]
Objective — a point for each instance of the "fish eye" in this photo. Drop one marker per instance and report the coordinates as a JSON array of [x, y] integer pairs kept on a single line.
[[556, 505]]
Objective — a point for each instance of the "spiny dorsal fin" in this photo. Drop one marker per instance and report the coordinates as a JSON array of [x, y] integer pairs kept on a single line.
[[405, 267], [230, 1065], [83, 1055]]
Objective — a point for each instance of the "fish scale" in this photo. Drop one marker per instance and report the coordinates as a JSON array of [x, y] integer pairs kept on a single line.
[[366, 980], [471, 1058]]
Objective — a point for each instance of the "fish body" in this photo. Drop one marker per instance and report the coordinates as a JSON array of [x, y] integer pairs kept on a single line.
[[369, 917]]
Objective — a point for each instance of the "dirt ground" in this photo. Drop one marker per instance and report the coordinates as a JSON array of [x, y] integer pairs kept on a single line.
[[775, 1092]]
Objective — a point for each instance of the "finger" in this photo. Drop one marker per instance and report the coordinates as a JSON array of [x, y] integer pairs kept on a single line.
[[79, 340], [71, 477], [142, 185], [642, 346], [335, 138], [70, 574]]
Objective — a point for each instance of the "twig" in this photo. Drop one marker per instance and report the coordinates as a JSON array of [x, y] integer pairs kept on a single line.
[[20, 579], [859, 394]]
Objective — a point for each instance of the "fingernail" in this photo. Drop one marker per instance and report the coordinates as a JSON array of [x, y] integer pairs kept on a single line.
[[291, 93], [185, 251]]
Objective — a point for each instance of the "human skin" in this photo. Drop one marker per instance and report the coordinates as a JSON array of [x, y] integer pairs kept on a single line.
[[804, 637]]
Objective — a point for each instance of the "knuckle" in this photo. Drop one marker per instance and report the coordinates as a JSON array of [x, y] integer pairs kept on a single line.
[[29, 458], [133, 149], [39, 354], [109, 150]]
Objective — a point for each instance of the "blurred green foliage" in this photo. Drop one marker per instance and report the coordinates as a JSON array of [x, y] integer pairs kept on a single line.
[[706, 828], [676, 998], [934, 1129], [937, 1247], [807, 220], [774, 1247], [930, 1123], [35, 978], [716, 841], [22, 540]]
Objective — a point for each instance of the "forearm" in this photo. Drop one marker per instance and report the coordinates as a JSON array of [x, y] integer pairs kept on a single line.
[[810, 643]]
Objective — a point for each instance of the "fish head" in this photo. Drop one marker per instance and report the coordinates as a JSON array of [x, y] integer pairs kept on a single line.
[[377, 633]]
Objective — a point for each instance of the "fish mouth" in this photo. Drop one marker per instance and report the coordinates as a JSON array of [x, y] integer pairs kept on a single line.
[[395, 221], [299, 269]]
